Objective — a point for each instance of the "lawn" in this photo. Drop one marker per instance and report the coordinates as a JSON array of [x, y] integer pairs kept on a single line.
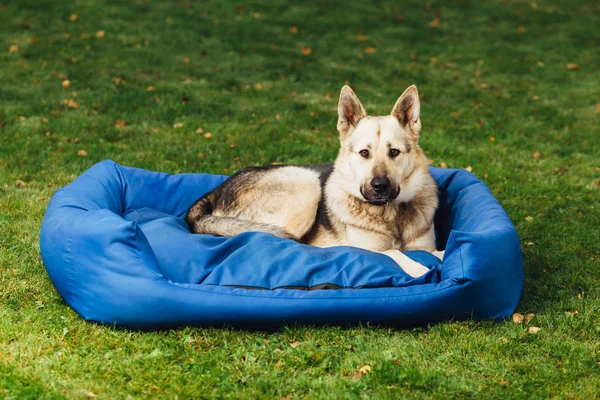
[[509, 89]]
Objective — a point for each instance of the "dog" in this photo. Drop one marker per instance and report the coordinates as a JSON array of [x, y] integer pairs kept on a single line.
[[377, 195]]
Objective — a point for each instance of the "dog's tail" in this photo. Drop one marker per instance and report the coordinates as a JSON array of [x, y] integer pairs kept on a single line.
[[201, 220]]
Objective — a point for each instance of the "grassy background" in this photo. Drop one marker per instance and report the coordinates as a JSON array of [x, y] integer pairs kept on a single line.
[[144, 76]]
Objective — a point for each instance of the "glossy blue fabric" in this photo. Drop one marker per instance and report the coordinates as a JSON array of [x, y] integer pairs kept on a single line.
[[115, 246]]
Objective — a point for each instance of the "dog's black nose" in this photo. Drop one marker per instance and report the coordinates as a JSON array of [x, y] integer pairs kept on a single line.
[[380, 184]]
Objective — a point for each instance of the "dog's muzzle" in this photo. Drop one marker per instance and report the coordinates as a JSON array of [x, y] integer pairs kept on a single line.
[[380, 191]]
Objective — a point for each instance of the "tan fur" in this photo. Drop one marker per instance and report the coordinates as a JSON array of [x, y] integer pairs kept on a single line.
[[374, 198]]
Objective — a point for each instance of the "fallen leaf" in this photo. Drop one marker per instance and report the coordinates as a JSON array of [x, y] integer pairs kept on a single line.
[[232, 145], [529, 244], [73, 17], [572, 312], [100, 34], [91, 394], [521, 30], [293, 29], [84, 35], [503, 383], [199, 130], [535, 98], [443, 165], [435, 22], [294, 344], [598, 107], [207, 135], [536, 155], [330, 96], [533, 329], [266, 341], [361, 38], [70, 103], [528, 218], [370, 50], [529, 317], [119, 123], [306, 51], [517, 318], [492, 139], [469, 168], [534, 5], [66, 83], [20, 183], [258, 85], [573, 67], [22, 118], [277, 116], [503, 340], [82, 153], [177, 125], [366, 369], [150, 88], [13, 49], [119, 81], [186, 60]]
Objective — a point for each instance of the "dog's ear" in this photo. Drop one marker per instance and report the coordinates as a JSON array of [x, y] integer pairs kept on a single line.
[[408, 110], [350, 110]]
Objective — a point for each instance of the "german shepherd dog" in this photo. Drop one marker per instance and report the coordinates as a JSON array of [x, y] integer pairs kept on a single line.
[[377, 195]]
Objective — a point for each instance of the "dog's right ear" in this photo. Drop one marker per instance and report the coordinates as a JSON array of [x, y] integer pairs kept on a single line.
[[350, 111]]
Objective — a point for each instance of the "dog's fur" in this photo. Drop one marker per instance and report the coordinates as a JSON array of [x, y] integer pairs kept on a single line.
[[378, 195]]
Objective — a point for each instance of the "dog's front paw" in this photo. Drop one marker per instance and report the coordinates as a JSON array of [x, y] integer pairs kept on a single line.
[[407, 264]]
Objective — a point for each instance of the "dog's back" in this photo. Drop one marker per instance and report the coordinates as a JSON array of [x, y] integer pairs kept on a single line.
[[280, 199]]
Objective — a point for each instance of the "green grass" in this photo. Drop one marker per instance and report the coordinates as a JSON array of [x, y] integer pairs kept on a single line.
[[493, 95]]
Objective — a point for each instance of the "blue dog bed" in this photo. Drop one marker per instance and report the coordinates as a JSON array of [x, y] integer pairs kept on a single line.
[[115, 246]]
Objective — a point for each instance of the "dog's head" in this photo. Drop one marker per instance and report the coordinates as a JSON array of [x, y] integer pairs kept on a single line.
[[380, 156]]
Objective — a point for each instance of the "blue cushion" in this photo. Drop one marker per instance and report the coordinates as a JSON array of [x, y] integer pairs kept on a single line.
[[117, 249]]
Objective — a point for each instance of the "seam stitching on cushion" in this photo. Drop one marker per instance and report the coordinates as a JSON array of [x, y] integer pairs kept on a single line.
[[462, 263]]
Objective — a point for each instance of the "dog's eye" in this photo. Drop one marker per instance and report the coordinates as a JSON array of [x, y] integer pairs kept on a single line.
[[394, 153], [364, 153]]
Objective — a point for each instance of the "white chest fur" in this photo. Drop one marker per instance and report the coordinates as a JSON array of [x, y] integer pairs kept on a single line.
[[369, 240]]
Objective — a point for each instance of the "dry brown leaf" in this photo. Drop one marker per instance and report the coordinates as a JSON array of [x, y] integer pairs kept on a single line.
[[517, 318], [492, 139], [536, 155], [435, 22], [232, 145], [529, 317], [329, 95], [73, 17], [533, 329], [503, 383], [186, 60], [361, 38], [293, 29], [177, 125], [572, 312], [598, 107], [82, 153], [535, 98], [22, 118], [84, 35], [306, 51], [150, 88], [534, 5], [119, 123], [66, 83], [13, 49], [70, 103], [118, 80], [100, 34], [573, 67], [207, 135], [20, 183], [370, 50], [258, 86], [266, 341], [469, 168], [294, 344], [443, 165], [503, 340], [199, 130], [528, 218], [521, 30]]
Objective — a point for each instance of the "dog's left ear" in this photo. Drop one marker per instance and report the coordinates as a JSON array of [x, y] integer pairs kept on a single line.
[[408, 111]]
